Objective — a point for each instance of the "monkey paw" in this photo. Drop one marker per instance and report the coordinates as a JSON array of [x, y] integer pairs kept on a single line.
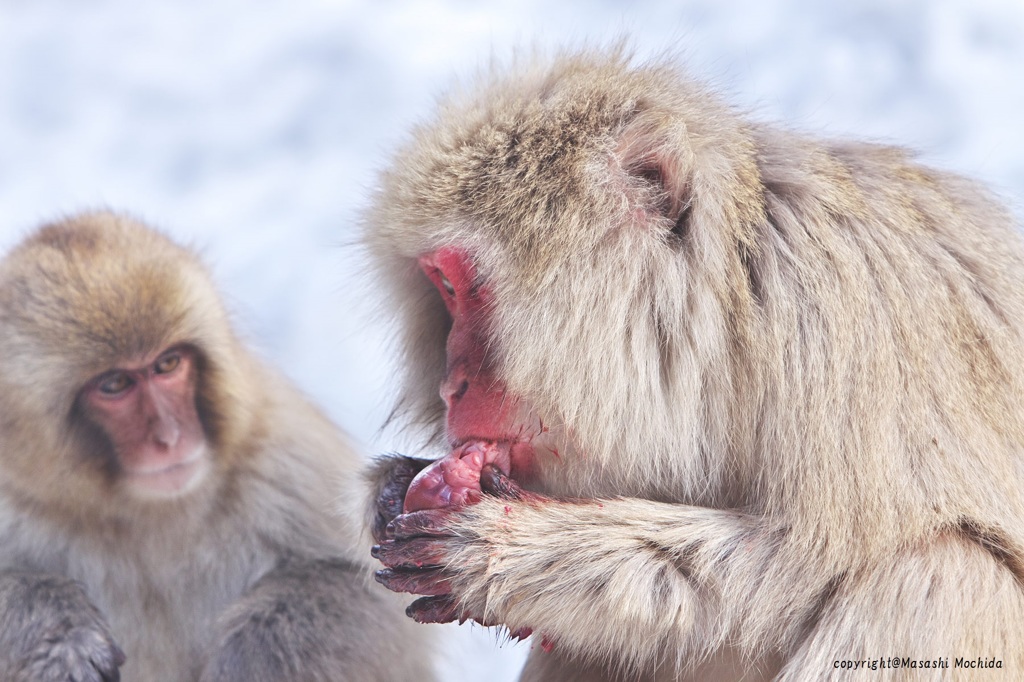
[[443, 554], [50, 632], [78, 655], [60, 636]]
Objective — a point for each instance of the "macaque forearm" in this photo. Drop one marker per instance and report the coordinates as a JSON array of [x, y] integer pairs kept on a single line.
[[629, 564]]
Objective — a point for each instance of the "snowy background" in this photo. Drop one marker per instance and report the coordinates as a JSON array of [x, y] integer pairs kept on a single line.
[[253, 130]]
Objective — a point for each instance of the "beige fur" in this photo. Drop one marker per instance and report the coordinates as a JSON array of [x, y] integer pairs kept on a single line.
[[784, 376], [175, 579]]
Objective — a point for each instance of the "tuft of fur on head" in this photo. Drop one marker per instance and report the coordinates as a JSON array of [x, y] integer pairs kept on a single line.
[[678, 287], [76, 298]]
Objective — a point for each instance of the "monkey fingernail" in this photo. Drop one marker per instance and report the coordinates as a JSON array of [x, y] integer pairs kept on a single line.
[[442, 609]]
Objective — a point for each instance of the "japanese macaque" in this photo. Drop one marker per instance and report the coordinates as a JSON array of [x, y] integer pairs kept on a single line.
[[720, 401], [167, 503]]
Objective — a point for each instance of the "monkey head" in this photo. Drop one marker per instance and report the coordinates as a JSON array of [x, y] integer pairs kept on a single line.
[[564, 264], [117, 364]]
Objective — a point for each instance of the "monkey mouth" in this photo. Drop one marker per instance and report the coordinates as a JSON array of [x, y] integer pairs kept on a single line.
[[454, 480], [169, 480], [482, 451]]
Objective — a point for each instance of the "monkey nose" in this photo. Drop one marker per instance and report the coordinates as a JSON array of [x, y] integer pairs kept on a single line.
[[454, 387], [166, 433]]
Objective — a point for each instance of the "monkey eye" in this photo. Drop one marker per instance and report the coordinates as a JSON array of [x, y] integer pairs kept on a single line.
[[167, 363], [446, 284], [114, 384]]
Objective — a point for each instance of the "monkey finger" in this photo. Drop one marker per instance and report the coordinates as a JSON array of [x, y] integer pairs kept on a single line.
[[442, 609], [493, 481], [430, 581], [428, 522], [414, 553]]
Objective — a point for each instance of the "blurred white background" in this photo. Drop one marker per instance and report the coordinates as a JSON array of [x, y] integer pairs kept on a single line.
[[253, 130]]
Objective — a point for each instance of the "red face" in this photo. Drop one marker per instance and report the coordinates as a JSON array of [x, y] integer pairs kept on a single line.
[[485, 424], [148, 411]]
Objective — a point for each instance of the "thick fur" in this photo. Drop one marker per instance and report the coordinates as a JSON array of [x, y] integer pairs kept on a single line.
[[784, 374], [255, 555]]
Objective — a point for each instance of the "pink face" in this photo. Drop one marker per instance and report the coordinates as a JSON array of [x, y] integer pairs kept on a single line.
[[484, 422], [148, 411]]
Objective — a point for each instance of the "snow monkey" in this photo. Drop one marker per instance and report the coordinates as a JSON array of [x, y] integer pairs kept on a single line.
[[165, 499], [720, 400]]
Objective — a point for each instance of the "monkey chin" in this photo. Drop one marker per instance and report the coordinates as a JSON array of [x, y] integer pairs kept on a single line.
[[171, 481]]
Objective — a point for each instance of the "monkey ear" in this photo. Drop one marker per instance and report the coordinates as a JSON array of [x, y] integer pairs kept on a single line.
[[658, 167]]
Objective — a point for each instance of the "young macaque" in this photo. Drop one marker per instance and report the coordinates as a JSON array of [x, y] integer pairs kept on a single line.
[[166, 500], [721, 401]]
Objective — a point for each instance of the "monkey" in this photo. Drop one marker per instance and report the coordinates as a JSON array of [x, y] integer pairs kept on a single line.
[[716, 399], [168, 502]]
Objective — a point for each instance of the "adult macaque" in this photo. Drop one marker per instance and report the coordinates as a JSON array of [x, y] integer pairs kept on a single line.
[[721, 400], [165, 499]]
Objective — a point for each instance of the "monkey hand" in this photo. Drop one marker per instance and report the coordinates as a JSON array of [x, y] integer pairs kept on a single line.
[[51, 632], [535, 563], [451, 554], [389, 479]]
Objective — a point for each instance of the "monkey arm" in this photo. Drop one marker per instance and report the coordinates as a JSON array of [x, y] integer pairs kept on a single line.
[[580, 574], [314, 620], [51, 632]]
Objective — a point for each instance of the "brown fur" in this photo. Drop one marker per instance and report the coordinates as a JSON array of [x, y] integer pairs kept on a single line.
[[251, 575], [784, 376]]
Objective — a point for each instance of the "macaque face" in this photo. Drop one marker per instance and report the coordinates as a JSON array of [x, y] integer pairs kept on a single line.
[[148, 412], [485, 424]]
